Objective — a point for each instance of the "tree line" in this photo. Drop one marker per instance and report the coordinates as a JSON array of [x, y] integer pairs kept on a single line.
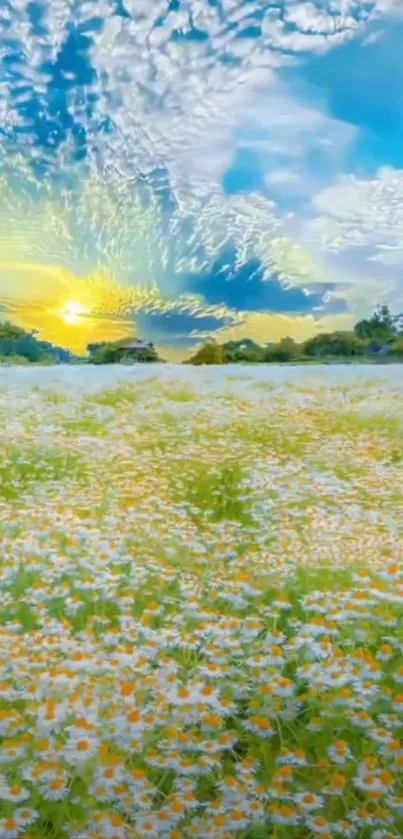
[[379, 336], [17, 346]]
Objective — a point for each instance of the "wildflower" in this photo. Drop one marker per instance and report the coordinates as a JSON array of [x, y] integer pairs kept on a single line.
[[16, 793], [255, 810], [319, 825], [80, 750], [340, 752], [10, 828], [293, 758], [55, 790], [362, 817], [13, 750], [397, 704], [381, 735], [371, 783], [237, 819], [26, 816], [283, 815], [308, 801], [147, 825], [362, 719], [346, 829], [384, 834], [284, 687], [337, 785], [260, 725]]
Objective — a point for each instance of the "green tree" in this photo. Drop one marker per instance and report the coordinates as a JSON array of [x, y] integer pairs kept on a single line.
[[147, 354], [285, 350], [15, 341], [209, 353], [398, 323], [11, 332], [380, 328], [244, 351], [341, 343], [396, 348]]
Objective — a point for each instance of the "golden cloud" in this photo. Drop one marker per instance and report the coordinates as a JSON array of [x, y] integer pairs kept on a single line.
[[266, 327]]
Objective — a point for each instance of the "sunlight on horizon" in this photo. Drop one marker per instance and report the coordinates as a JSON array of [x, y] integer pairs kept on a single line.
[[73, 313]]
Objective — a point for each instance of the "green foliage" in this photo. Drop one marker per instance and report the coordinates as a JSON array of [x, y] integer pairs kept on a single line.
[[121, 397], [381, 327], [382, 335], [210, 353], [397, 348], [213, 493], [379, 335], [334, 343], [22, 467], [286, 350], [182, 394], [13, 360], [47, 361], [11, 332], [244, 351], [17, 343]]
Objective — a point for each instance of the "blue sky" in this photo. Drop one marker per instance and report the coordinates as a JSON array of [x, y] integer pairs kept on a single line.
[[200, 167]]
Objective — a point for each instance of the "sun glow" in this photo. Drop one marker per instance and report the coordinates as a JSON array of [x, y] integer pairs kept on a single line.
[[73, 313]]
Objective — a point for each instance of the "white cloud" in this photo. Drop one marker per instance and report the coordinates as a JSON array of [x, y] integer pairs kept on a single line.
[[277, 123], [361, 213], [178, 103], [308, 17], [188, 105], [282, 177], [308, 27], [357, 230]]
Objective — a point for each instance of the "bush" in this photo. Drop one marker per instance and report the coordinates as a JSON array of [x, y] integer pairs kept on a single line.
[[396, 348], [14, 341], [285, 350], [245, 351], [210, 353], [14, 360], [334, 344]]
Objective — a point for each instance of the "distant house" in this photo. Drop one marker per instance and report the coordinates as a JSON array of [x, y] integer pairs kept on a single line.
[[137, 345], [133, 349], [380, 349], [136, 350]]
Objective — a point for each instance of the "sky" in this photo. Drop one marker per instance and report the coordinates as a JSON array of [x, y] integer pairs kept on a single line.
[[184, 169]]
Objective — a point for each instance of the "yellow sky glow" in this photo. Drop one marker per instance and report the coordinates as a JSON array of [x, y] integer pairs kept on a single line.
[[73, 313], [69, 322]]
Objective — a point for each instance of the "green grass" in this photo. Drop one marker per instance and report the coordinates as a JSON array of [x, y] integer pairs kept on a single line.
[[213, 492], [23, 467]]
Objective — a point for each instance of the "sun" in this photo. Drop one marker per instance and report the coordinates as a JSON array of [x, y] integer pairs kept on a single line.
[[73, 313]]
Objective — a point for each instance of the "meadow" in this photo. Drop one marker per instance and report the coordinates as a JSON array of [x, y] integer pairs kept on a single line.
[[201, 603]]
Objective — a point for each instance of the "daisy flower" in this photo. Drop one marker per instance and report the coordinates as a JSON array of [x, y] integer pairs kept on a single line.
[[10, 828], [80, 750], [309, 801]]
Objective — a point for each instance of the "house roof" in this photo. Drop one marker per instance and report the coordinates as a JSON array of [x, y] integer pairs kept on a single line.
[[380, 348], [135, 345]]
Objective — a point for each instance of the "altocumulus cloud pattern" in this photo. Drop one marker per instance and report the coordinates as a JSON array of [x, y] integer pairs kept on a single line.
[[195, 167]]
